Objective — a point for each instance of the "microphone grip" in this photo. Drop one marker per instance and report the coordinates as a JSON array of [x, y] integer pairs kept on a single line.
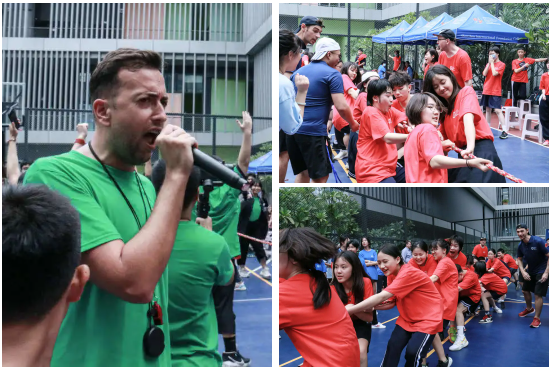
[[217, 169]]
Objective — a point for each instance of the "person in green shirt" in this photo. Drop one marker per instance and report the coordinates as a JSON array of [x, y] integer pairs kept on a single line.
[[199, 261], [41, 272], [127, 232], [224, 211]]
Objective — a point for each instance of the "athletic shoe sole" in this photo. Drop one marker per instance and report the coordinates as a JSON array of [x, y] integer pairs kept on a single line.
[[526, 315]]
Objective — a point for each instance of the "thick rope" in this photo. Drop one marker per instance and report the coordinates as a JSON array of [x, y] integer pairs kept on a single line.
[[494, 168], [254, 239]]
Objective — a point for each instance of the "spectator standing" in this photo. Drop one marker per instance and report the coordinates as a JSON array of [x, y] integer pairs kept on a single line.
[[454, 58]]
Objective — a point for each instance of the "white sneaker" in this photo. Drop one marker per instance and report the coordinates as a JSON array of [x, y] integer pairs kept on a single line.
[[346, 165], [342, 154], [240, 286], [379, 325], [243, 272], [497, 310], [265, 273], [459, 344]]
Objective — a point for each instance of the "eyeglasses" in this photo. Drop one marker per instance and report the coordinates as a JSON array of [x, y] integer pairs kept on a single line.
[[337, 54], [438, 39]]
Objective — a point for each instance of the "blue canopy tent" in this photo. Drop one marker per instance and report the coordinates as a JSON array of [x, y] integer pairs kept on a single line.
[[420, 22], [391, 34], [419, 35], [477, 25], [262, 165]]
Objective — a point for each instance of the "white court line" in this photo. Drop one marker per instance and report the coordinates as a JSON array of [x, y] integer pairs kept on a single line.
[[267, 261], [261, 299]]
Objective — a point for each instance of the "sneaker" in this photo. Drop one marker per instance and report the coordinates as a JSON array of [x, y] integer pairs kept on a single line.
[[546, 143], [379, 325], [459, 344], [447, 363], [452, 334], [240, 286], [497, 310], [425, 365], [342, 154], [503, 135], [235, 359], [265, 273], [535, 322], [526, 312], [243, 272], [487, 319], [346, 164]]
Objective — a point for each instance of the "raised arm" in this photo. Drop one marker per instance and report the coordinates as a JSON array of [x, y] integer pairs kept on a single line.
[[12, 167], [82, 131], [245, 151]]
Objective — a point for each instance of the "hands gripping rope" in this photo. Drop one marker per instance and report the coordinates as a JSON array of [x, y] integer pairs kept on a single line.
[[254, 239], [494, 168]]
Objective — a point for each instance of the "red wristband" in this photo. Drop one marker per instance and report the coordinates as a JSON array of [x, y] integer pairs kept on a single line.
[[80, 141]]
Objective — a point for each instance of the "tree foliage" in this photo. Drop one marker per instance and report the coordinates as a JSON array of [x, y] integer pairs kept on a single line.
[[395, 231]]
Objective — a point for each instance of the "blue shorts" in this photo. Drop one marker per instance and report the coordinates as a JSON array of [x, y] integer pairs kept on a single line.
[[491, 101], [399, 176]]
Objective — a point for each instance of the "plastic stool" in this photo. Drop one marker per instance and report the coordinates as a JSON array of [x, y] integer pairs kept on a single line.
[[510, 117], [524, 108], [531, 132]]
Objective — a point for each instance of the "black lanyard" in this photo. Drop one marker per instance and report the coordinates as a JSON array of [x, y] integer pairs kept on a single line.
[[141, 190]]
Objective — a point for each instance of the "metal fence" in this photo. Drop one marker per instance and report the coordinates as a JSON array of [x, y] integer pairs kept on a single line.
[[352, 33], [340, 211], [48, 132]]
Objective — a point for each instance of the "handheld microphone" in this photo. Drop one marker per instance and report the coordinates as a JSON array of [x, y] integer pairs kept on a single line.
[[218, 170]]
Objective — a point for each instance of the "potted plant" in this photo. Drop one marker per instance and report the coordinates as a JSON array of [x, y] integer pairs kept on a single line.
[[505, 202]]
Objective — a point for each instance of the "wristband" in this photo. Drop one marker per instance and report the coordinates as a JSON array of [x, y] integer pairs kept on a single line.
[[12, 140], [467, 164], [301, 104], [80, 141]]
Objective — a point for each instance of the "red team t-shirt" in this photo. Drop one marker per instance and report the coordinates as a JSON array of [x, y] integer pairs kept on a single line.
[[510, 261], [324, 337], [360, 105], [428, 67], [459, 64], [453, 126], [492, 85], [498, 268], [337, 120], [471, 268], [480, 252], [470, 286], [448, 286], [376, 160], [544, 83], [396, 63], [460, 260], [421, 146], [491, 282], [398, 107], [521, 76], [428, 267], [418, 301], [368, 291]]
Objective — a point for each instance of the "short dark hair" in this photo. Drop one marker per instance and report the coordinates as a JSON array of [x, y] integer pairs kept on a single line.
[[355, 243], [191, 190], [459, 269], [41, 248], [414, 108], [480, 268], [345, 71], [496, 50], [547, 60], [458, 239], [104, 79], [384, 61], [501, 250], [396, 52], [440, 69], [376, 88], [399, 79], [434, 54], [360, 49], [441, 243], [422, 245], [288, 42], [392, 250]]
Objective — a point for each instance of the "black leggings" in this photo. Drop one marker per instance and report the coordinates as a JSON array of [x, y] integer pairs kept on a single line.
[[544, 117], [339, 135], [223, 303], [253, 230], [417, 344]]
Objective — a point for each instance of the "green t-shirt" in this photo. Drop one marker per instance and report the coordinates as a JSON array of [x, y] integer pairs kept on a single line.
[[102, 329], [200, 259], [255, 214], [225, 208]]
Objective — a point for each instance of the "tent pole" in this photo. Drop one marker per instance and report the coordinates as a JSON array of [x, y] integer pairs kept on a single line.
[[386, 58], [372, 58]]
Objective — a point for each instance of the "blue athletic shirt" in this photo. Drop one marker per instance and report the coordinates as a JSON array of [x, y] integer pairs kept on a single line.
[[534, 251], [372, 255], [324, 81]]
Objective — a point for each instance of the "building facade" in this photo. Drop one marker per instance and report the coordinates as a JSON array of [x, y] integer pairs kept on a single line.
[[217, 62]]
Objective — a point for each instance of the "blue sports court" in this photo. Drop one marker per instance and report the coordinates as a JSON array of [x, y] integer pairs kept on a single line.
[[253, 311], [507, 342]]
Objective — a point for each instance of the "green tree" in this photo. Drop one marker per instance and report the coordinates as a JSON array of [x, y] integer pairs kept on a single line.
[[328, 211], [394, 230]]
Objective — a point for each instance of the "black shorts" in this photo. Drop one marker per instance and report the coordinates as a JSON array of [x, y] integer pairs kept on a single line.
[[535, 286], [345, 130], [513, 271], [469, 304], [491, 101], [483, 148], [282, 141], [363, 330], [520, 278], [495, 295], [307, 152]]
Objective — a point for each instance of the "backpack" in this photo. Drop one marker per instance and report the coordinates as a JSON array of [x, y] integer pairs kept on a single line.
[[535, 96]]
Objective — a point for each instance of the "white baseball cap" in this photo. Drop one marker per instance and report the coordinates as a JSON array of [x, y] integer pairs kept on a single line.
[[324, 45], [369, 74]]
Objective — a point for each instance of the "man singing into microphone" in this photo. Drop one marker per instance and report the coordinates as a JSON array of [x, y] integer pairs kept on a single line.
[[127, 232]]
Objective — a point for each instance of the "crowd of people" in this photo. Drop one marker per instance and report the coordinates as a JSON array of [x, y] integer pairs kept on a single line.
[[150, 282], [396, 141], [432, 285]]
